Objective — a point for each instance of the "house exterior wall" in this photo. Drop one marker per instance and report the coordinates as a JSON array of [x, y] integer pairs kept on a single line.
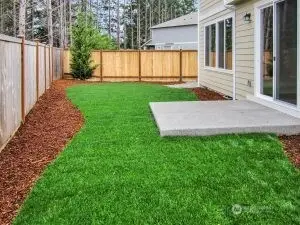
[[243, 38], [184, 37], [219, 81], [207, 5], [245, 54]]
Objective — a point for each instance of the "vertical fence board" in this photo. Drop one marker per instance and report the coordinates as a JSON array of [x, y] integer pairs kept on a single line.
[[47, 67], [67, 60], [189, 64], [96, 62], [41, 70], [57, 63], [30, 80], [10, 89], [37, 69]]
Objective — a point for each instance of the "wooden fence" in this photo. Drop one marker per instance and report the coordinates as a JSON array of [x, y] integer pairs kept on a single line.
[[141, 65], [26, 71]]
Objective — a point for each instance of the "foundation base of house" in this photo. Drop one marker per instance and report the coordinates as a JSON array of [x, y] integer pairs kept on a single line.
[[196, 118]]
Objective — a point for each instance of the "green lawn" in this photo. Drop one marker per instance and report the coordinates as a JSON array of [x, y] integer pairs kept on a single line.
[[118, 170]]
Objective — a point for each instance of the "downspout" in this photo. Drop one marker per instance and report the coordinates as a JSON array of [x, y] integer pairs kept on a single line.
[[298, 55], [234, 55], [199, 58]]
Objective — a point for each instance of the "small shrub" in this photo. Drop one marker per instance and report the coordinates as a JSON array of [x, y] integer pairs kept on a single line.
[[86, 38]]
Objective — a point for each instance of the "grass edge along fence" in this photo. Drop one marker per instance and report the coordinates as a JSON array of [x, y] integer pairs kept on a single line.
[[141, 65], [27, 70]]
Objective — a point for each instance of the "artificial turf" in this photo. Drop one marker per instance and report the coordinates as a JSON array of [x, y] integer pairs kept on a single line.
[[118, 170]]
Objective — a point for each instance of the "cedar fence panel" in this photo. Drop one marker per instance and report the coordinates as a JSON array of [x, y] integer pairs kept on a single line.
[[42, 70], [30, 71], [25, 73], [57, 63], [162, 66]]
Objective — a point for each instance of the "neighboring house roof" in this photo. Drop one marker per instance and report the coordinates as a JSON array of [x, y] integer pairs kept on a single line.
[[190, 19]]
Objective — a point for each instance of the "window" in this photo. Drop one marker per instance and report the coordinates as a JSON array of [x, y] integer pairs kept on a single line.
[[228, 41], [218, 44], [210, 45], [221, 55]]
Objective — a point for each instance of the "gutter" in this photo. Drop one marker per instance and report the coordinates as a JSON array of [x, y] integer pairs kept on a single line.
[[199, 83]]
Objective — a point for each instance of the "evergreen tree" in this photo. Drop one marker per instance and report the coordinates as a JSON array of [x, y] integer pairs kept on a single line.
[[86, 38]]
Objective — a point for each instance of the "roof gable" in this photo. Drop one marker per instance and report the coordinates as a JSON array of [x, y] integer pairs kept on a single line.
[[190, 19]]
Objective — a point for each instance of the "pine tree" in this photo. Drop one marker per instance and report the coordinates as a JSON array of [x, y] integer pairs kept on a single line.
[[85, 38]]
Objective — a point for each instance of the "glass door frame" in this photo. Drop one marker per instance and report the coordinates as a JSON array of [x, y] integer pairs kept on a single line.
[[259, 51]]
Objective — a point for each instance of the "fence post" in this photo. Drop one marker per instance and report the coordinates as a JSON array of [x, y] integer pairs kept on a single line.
[[53, 64], [101, 66], [140, 66], [23, 79], [50, 71], [180, 64], [37, 67], [62, 62], [45, 65]]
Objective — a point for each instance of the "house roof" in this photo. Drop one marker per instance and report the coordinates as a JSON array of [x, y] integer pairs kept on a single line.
[[190, 19]]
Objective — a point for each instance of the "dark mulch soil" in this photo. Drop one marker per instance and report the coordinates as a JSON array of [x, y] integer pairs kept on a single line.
[[292, 148], [205, 94], [48, 127]]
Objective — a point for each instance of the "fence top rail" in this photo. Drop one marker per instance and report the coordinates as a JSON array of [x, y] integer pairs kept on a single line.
[[134, 50], [31, 43], [10, 39]]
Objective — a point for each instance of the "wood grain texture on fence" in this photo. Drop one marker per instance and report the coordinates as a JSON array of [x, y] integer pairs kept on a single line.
[[25, 72], [57, 63], [41, 70], [10, 91], [164, 66], [30, 79]]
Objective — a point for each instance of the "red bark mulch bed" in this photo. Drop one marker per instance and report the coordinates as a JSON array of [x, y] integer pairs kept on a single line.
[[48, 127], [205, 94], [292, 148]]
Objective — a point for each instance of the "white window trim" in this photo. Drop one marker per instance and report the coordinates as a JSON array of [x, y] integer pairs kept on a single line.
[[257, 33], [216, 21]]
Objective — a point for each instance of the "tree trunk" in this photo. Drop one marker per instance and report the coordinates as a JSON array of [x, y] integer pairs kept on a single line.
[[109, 18], [61, 25], [50, 26], [131, 24], [22, 19], [118, 23], [14, 18], [125, 27], [70, 21], [139, 25]]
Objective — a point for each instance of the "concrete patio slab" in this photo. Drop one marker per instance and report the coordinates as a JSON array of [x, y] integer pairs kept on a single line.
[[197, 118]]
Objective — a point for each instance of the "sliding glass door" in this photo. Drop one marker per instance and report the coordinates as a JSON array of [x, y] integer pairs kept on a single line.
[[286, 50], [278, 51], [267, 53]]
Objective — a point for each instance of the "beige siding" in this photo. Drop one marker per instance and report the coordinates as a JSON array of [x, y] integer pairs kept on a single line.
[[206, 5], [218, 81], [244, 52]]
